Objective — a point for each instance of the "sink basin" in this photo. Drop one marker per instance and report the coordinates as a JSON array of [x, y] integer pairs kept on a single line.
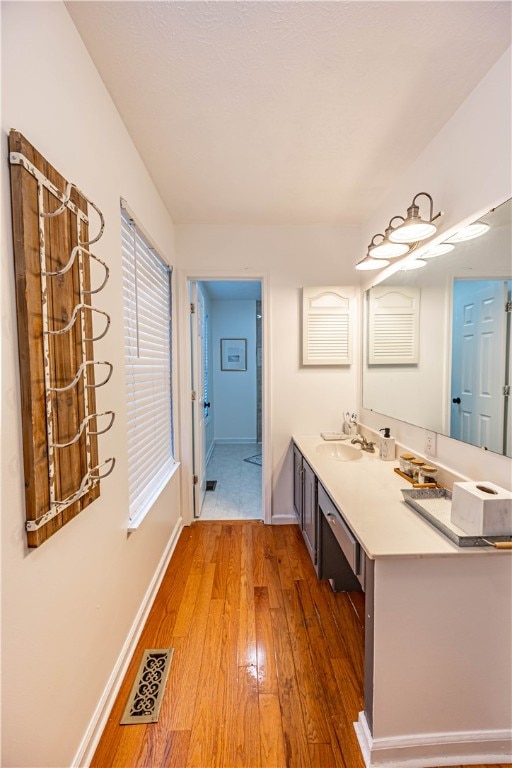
[[339, 451]]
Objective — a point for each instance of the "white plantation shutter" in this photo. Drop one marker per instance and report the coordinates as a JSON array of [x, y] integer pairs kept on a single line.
[[147, 316], [326, 325], [393, 327]]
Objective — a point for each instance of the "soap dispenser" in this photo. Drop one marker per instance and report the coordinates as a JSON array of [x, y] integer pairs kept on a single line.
[[386, 445]]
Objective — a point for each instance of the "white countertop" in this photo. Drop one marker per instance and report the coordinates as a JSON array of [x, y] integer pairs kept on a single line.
[[368, 493]]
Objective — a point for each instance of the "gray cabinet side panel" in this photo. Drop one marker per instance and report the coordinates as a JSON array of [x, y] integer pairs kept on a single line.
[[369, 641]]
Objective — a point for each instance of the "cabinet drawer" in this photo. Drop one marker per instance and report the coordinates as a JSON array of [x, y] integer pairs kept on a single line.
[[344, 536]]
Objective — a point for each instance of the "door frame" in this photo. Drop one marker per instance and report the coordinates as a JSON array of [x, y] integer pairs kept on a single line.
[[185, 379], [197, 331]]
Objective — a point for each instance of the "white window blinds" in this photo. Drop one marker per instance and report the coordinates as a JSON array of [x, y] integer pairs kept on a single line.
[[147, 320]]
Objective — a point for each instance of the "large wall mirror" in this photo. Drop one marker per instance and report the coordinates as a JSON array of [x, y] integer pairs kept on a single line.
[[437, 350]]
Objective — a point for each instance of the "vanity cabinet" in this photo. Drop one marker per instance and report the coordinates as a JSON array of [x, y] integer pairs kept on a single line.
[[309, 512], [412, 576], [305, 503], [334, 550], [298, 499], [341, 557]]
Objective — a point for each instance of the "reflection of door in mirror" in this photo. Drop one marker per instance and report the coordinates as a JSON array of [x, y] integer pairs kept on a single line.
[[479, 344]]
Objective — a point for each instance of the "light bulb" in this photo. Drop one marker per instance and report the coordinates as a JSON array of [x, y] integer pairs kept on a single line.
[[438, 250], [368, 263], [386, 250], [475, 229], [413, 232], [415, 264]]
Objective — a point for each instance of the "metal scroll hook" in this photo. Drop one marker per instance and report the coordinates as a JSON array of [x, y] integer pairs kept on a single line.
[[83, 425], [62, 207], [78, 249], [77, 309], [80, 372]]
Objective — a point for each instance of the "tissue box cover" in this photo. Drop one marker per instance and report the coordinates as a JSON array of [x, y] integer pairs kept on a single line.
[[482, 509]]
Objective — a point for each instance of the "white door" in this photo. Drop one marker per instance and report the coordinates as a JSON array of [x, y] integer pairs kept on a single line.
[[478, 362], [198, 404]]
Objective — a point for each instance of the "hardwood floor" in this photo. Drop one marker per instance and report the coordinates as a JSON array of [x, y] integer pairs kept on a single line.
[[268, 662]]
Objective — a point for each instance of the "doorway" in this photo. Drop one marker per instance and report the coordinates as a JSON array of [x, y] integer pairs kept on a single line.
[[226, 343]]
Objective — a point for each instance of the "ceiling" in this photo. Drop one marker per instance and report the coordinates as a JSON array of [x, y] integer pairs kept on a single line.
[[286, 112]]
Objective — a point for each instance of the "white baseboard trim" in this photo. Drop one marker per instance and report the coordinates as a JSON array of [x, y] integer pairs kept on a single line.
[[234, 440], [99, 719], [284, 520], [431, 750], [209, 453]]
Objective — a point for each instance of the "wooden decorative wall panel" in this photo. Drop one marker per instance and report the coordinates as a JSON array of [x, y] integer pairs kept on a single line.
[[60, 423]]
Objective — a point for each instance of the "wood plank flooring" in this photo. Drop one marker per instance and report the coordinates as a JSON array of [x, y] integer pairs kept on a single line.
[[268, 661]]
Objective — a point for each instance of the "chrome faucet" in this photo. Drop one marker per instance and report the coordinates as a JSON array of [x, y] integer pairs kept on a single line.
[[364, 443]]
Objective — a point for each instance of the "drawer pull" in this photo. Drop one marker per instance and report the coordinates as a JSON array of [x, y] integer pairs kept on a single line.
[[331, 518]]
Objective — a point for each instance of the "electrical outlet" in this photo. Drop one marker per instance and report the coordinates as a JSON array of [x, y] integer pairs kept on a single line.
[[431, 444]]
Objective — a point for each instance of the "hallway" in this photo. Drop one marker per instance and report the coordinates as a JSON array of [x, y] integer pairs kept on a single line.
[[237, 495]]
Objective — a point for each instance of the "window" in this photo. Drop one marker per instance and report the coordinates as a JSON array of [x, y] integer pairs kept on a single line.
[[147, 320]]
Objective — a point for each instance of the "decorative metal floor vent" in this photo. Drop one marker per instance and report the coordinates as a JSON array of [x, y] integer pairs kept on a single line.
[[146, 696]]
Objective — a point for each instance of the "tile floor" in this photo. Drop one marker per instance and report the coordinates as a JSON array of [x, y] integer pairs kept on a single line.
[[237, 495]]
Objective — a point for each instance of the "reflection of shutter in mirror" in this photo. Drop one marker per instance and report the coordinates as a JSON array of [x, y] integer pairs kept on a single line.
[[393, 326]]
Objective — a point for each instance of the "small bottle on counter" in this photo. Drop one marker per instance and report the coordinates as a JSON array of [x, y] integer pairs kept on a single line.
[[386, 445], [427, 474], [416, 466], [405, 463]]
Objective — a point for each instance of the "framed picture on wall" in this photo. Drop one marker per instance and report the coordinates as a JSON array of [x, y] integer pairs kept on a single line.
[[233, 354]]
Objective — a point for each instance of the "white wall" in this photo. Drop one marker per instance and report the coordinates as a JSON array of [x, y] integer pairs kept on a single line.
[[234, 404], [67, 607], [302, 400], [467, 169]]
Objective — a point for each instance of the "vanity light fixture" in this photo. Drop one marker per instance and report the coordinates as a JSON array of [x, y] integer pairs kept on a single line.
[[475, 229], [438, 250], [414, 229], [368, 263], [387, 249], [403, 239], [414, 264]]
